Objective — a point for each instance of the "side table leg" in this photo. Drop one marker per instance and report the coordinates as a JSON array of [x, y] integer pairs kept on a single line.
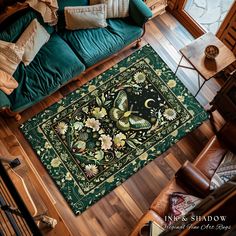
[[178, 65], [199, 86]]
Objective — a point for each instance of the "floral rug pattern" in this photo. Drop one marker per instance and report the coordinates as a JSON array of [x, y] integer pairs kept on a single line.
[[98, 136]]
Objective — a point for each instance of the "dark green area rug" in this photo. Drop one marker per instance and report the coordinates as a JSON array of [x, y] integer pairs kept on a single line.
[[101, 134]]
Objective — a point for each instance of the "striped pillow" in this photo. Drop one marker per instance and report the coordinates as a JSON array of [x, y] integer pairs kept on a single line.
[[225, 171], [10, 56], [115, 8]]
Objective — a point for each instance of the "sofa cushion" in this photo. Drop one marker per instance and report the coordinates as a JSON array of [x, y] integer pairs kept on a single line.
[[16, 27], [225, 171], [52, 67], [94, 45], [125, 29]]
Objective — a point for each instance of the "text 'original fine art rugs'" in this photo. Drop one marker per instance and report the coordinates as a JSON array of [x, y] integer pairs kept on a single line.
[[101, 134]]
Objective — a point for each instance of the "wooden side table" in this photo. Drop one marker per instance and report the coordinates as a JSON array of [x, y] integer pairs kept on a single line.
[[194, 53], [157, 6]]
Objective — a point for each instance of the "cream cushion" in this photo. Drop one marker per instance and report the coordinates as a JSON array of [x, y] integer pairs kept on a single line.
[[32, 39], [84, 17], [10, 56], [7, 82], [47, 8], [115, 8]]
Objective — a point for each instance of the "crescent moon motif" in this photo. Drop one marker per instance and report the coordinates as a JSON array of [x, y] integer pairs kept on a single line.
[[146, 103]]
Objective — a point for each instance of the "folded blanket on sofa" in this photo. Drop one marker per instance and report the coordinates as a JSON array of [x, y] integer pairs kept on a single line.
[[47, 8]]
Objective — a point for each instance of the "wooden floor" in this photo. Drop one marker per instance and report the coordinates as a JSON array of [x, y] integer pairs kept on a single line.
[[117, 213]]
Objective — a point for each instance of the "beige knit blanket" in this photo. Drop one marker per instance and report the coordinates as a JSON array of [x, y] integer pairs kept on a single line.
[[47, 8]]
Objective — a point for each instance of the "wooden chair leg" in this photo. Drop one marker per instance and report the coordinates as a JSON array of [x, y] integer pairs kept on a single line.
[[10, 113], [17, 117], [138, 43]]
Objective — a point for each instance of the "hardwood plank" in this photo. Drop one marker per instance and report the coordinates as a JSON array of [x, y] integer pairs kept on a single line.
[[176, 151], [136, 186], [138, 194], [169, 33], [173, 162], [128, 202], [164, 167]]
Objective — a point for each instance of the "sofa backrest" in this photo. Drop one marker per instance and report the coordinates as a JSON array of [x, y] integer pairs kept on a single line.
[[14, 25], [65, 3]]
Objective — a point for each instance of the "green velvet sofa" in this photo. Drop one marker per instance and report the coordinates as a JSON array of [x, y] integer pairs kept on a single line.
[[67, 53]]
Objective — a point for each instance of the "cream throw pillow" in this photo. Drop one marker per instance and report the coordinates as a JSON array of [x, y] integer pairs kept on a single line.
[[7, 82], [32, 39], [115, 8], [10, 56], [84, 17]]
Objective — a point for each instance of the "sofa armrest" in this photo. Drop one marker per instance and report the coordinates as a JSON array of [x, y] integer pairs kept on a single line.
[[139, 12], [4, 101], [210, 157], [191, 178]]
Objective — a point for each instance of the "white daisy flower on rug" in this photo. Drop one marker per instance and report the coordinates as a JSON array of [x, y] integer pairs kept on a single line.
[[171, 83], [93, 124], [99, 112], [119, 140], [139, 77], [169, 114], [91, 170], [55, 162], [106, 142], [62, 128]]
